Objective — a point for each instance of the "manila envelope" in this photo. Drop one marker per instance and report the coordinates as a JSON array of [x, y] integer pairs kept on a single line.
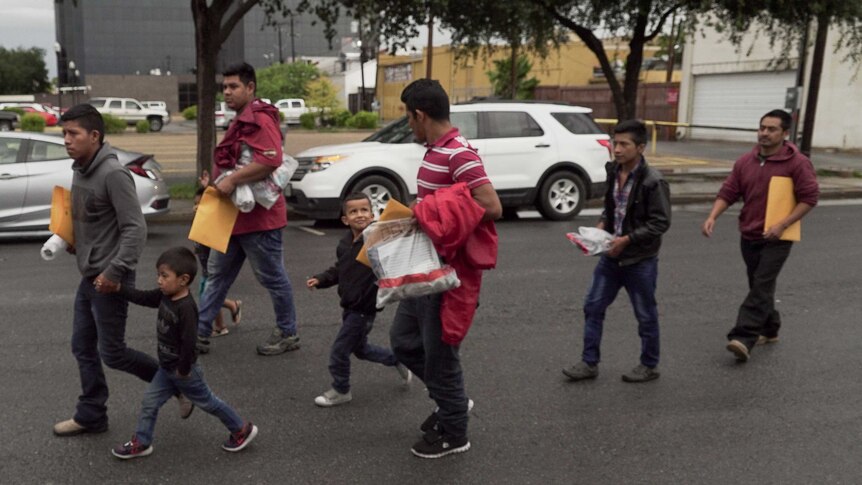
[[394, 210], [780, 202], [214, 220], [61, 215]]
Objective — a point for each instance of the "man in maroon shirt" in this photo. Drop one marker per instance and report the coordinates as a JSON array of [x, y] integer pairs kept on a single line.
[[255, 139], [763, 251]]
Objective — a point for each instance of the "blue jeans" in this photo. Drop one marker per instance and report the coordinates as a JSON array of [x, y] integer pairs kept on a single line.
[[165, 385], [99, 335], [352, 338], [416, 339], [264, 251], [639, 280]]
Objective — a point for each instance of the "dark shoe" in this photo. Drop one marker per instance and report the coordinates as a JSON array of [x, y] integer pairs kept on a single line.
[[641, 373], [430, 423], [186, 406], [404, 373], [581, 371], [436, 445], [763, 340], [202, 345], [739, 350], [239, 440], [132, 449], [70, 427], [278, 343]]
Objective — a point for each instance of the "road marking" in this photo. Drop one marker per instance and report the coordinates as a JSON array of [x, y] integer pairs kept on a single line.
[[310, 230]]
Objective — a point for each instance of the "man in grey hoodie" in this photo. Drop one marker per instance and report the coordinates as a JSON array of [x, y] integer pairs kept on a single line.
[[110, 233]]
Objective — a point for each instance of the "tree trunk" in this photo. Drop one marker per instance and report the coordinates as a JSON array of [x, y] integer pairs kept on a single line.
[[206, 55], [430, 46], [814, 83], [513, 73]]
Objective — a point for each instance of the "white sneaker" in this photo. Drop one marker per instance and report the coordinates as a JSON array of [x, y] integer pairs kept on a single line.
[[404, 372], [332, 398]]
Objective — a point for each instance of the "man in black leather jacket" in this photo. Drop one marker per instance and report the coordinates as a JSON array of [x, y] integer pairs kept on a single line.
[[637, 212]]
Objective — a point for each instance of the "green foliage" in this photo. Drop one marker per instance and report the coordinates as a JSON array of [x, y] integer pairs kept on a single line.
[[322, 95], [341, 116], [142, 126], [280, 81], [113, 125], [190, 113], [307, 121], [280, 116], [363, 120], [14, 109], [183, 190], [501, 78], [32, 122], [23, 71]]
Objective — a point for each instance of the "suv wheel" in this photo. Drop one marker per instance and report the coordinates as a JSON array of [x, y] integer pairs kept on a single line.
[[562, 196], [5, 125], [379, 189], [155, 123]]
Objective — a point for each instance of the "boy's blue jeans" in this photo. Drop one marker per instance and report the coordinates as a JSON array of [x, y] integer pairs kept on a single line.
[[352, 338], [265, 252], [639, 280], [165, 385], [99, 335]]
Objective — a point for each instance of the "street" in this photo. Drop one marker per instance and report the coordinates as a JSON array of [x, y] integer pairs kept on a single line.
[[790, 415]]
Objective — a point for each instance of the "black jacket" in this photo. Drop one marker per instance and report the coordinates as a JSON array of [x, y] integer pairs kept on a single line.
[[357, 285], [647, 215]]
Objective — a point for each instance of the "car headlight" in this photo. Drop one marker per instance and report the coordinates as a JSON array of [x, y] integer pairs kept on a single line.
[[322, 163]]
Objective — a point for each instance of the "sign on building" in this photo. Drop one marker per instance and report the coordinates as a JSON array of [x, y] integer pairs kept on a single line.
[[398, 73]]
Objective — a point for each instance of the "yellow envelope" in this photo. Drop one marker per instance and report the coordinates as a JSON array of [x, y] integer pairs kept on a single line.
[[780, 202], [61, 215], [393, 210], [214, 220]]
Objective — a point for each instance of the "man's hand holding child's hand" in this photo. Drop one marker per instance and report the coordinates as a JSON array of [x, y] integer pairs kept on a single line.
[[312, 283]]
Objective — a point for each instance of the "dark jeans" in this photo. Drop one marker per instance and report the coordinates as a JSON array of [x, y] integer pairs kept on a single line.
[[757, 314], [639, 280], [352, 338], [165, 385], [416, 339], [98, 334], [265, 252]]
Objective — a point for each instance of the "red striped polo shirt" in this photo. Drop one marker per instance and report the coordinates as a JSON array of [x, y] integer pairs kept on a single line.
[[447, 161]]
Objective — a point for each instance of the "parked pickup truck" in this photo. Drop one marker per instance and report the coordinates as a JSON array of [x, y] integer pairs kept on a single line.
[[8, 120], [131, 111], [292, 109]]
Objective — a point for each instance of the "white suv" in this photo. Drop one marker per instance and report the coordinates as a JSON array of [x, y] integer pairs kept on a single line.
[[547, 155], [131, 111]]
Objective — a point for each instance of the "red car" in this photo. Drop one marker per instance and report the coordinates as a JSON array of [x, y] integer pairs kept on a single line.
[[50, 118]]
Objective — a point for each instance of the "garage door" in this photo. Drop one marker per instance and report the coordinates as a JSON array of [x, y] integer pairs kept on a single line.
[[738, 101]]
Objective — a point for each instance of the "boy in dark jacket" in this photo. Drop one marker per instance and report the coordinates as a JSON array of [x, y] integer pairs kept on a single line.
[[178, 372], [357, 288]]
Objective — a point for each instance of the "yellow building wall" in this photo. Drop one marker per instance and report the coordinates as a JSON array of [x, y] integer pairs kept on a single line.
[[467, 77]]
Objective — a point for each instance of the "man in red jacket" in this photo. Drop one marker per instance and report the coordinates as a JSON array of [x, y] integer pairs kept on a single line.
[[763, 251]]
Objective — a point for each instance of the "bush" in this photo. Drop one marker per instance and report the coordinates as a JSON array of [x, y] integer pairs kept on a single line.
[[341, 116], [363, 119], [280, 117], [113, 125], [32, 122], [306, 120], [142, 126], [191, 113], [15, 109]]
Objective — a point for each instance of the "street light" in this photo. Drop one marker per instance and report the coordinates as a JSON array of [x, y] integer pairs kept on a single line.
[[60, 64]]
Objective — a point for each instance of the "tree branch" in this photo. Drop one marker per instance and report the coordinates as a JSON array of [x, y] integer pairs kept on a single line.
[[661, 22], [227, 27]]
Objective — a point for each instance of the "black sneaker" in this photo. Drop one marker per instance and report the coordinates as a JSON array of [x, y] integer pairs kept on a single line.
[[581, 371], [132, 449], [435, 445], [641, 373], [239, 440], [431, 421], [202, 345]]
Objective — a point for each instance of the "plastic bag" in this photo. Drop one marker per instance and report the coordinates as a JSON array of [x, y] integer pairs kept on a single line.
[[592, 240], [267, 191], [242, 196], [405, 262]]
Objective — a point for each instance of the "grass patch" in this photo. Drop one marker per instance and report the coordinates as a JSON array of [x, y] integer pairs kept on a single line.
[[183, 190]]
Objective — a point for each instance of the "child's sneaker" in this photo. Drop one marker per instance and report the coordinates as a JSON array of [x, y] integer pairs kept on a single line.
[[404, 372], [332, 398], [132, 449], [239, 440]]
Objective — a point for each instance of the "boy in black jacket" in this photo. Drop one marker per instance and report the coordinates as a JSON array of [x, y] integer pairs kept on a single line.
[[178, 372], [358, 291]]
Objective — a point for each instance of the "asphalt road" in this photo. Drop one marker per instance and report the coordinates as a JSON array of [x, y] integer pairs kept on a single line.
[[790, 415]]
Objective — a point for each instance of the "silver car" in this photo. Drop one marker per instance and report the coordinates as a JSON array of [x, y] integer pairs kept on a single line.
[[31, 164]]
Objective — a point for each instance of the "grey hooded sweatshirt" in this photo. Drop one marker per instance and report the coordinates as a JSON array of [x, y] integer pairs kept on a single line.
[[110, 230]]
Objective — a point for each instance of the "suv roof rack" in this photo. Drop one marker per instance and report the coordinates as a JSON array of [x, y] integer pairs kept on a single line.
[[494, 99]]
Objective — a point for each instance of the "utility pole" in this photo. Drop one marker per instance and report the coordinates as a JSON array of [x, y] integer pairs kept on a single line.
[[280, 56], [814, 83], [292, 46], [361, 68], [430, 45]]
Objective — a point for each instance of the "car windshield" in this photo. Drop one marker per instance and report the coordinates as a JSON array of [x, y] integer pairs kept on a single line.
[[396, 132]]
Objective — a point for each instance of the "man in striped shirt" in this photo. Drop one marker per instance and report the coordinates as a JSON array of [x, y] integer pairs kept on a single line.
[[416, 334]]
